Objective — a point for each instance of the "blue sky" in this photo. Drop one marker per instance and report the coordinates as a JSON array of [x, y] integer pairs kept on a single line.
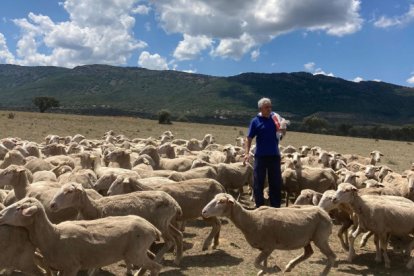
[[351, 39]]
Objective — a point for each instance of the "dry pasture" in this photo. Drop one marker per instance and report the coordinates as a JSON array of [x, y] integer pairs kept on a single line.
[[233, 256]]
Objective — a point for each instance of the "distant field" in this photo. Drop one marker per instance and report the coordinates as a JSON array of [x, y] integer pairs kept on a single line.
[[35, 126]]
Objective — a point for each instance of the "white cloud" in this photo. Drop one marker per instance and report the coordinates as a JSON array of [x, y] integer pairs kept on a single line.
[[153, 62], [141, 9], [387, 22], [255, 54], [5, 55], [92, 35], [147, 26], [411, 80], [319, 71], [191, 71], [238, 26], [191, 46], [358, 79], [310, 66]]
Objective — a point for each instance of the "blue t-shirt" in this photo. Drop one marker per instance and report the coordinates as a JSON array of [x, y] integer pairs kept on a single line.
[[264, 129]]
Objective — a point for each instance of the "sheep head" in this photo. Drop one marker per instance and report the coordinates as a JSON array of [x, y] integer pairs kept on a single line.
[[21, 213], [218, 206], [69, 195], [345, 193]]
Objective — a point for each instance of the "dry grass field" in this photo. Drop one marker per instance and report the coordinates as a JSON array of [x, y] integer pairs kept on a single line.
[[234, 256]]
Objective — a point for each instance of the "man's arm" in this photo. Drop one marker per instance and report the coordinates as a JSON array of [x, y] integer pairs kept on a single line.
[[248, 146]]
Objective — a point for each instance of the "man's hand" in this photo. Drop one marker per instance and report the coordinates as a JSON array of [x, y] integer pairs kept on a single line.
[[246, 158]]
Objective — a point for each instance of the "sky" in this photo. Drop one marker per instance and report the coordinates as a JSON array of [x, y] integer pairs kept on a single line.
[[357, 40]]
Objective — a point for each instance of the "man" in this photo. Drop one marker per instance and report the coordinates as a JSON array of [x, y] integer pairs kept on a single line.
[[267, 129]]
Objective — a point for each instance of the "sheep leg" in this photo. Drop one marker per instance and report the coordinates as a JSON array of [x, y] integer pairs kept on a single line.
[[365, 238], [146, 264], [178, 241], [216, 225], [383, 242], [262, 258], [352, 237], [308, 251], [324, 247], [287, 199], [344, 242], [378, 257]]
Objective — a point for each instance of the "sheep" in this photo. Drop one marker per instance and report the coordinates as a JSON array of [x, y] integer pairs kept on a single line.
[[38, 164], [75, 245], [17, 177], [44, 176], [196, 145], [120, 157], [167, 150], [304, 150], [3, 151], [58, 160], [3, 195], [308, 197], [240, 141], [85, 177], [202, 172], [178, 164], [192, 195], [232, 176], [157, 207], [341, 213], [32, 148], [317, 179], [13, 157], [54, 149], [100, 170], [269, 228], [18, 252], [383, 215], [289, 149]]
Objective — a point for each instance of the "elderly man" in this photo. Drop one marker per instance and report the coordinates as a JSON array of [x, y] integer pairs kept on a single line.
[[268, 127]]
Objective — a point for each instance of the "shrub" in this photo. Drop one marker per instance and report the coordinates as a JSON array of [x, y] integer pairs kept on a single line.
[[164, 117]]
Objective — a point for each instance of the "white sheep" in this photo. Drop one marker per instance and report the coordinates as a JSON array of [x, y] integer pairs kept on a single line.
[[383, 215], [192, 195], [157, 207], [268, 228], [75, 245]]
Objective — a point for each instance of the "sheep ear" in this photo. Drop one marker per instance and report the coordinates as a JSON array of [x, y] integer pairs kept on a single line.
[[316, 199], [404, 176], [231, 200], [381, 154], [28, 212], [20, 170], [354, 189], [357, 176]]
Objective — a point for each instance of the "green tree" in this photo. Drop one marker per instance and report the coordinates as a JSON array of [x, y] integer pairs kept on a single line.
[[44, 103], [315, 124], [164, 117]]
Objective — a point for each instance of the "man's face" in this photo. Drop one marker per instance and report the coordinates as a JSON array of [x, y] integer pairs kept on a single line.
[[266, 109]]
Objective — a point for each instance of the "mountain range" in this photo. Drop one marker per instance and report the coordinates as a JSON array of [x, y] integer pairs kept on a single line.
[[104, 89]]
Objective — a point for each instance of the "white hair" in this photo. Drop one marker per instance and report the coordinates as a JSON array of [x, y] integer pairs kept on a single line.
[[263, 101]]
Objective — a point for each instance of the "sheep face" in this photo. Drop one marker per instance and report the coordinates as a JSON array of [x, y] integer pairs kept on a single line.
[[67, 196], [350, 177], [324, 158], [370, 171], [7, 175], [297, 163], [376, 155], [218, 206], [345, 193], [308, 197], [104, 182], [119, 186], [20, 213], [326, 201]]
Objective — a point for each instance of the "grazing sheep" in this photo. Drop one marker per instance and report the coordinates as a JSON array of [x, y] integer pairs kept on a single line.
[[157, 207], [192, 195], [75, 245], [383, 215], [269, 228]]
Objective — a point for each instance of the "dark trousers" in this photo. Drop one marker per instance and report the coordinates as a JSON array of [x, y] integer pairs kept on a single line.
[[271, 165]]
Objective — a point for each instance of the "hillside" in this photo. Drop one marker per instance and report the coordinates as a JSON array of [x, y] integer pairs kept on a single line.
[[103, 89]]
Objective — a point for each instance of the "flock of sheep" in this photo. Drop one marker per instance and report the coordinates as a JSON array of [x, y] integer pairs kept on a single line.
[[69, 198]]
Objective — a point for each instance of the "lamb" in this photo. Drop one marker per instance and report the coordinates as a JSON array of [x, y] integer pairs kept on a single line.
[[191, 195], [269, 228], [157, 207], [68, 246], [383, 215]]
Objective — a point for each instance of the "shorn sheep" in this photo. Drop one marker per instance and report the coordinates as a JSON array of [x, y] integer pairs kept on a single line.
[[269, 228], [74, 245], [157, 207]]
